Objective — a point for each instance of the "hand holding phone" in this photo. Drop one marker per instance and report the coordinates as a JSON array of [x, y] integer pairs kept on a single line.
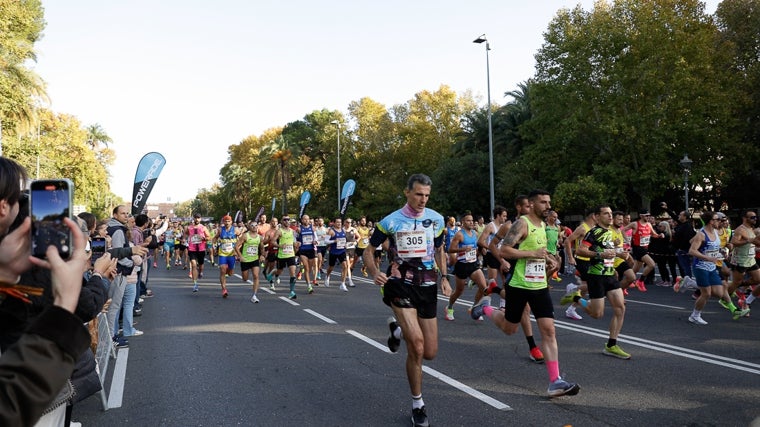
[[50, 203], [97, 248]]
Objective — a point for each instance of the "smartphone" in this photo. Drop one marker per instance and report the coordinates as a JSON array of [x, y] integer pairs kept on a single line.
[[50, 201], [97, 248]]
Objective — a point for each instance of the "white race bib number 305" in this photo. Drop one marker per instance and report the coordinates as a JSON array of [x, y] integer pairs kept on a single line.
[[411, 244]]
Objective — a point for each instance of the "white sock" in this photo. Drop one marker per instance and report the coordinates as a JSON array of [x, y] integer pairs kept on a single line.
[[751, 298], [397, 333], [417, 402]]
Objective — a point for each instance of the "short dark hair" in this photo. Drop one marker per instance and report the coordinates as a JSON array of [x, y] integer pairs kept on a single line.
[[141, 219], [520, 198], [498, 210], [598, 208], [533, 195], [618, 213], [12, 177], [419, 178], [89, 219]]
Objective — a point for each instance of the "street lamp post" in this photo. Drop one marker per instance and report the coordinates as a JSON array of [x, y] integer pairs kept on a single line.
[[479, 40], [686, 163], [337, 123]]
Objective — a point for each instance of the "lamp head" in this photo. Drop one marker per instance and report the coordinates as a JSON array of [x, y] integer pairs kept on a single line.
[[480, 39], [686, 162]]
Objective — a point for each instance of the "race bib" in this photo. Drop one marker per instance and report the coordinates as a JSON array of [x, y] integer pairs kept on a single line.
[[609, 263], [287, 249], [365, 241], [252, 250], [227, 247], [411, 244], [471, 255], [715, 255], [644, 241], [535, 270], [350, 245], [195, 239], [340, 243], [308, 239]]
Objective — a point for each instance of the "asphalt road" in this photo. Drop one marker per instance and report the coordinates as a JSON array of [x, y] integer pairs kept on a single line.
[[322, 361]]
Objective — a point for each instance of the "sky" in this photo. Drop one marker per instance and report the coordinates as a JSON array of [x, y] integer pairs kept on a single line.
[[190, 78]]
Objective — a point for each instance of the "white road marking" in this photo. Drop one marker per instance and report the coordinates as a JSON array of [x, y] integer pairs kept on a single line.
[[319, 316], [445, 378], [117, 382]]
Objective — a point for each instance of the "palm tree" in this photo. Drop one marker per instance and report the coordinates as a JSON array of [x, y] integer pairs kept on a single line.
[[276, 160]]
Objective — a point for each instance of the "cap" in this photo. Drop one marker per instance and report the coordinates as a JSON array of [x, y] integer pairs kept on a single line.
[[644, 212], [226, 217], [720, 215]]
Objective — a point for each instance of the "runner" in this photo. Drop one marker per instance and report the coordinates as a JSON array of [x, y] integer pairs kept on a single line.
[[226, 239], [415, 234], [465, 246], [270, 242], [572, 243], [169, 244], [336, 238], [196, 238], [744, 241], [249, 247], [287, 246], [362, 243], [352, 236], [599, 245], [526, 242], [321, 232], [642, 234], [308, 252]]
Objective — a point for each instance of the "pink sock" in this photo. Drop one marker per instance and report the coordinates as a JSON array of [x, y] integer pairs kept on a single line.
[[487, 310], [552, 366]]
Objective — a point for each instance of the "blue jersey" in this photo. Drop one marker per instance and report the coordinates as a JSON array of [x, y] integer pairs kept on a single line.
[[339, 245], [412, 243], [306, 238], [471, 240]]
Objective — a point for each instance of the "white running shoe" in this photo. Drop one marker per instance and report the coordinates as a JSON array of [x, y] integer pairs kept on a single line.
[[327, 281], [343, 287], [570, 313], [697, 320], [254, 299], [351, 283]]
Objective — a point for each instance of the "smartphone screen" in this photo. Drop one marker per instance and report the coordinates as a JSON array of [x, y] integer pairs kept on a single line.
[[50, 203], [97, 248]]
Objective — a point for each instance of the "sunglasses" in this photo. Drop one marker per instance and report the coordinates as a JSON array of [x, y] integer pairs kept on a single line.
[[754, 217]]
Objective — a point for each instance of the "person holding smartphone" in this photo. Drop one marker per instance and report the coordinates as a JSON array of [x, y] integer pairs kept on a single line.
[[37, 366]]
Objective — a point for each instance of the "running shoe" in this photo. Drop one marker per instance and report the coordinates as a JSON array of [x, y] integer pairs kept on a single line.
[[419, 417], [292, 295], [309, 289], [195, 287], [343, 287], [393, 342], [200, 275], [477, 311], [724, 304], [570, 313], [640, 286], [449, 313], [615, 351], [277, 280], [224, 293], [536, 355], [351, 283], [561, 387], [625, 292], [491, 286], [327, 281], [298, 276], [570, 292], [168, 267], [740, 312], [697, 320], [254, 299], [190, 274], [364, 271], [677, 284], [155, 265]]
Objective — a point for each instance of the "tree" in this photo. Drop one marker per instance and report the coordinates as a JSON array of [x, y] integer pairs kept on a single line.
[[623, 91], [21, 25]]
